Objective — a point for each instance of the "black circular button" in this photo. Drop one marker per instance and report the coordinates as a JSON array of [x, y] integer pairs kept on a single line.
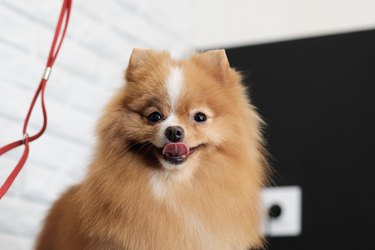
[[274, 211]]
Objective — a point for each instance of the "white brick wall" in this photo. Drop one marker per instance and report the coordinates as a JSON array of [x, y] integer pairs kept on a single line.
[[89, 68]]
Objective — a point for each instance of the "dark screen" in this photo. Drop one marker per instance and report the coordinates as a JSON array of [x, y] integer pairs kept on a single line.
[[317, 96]]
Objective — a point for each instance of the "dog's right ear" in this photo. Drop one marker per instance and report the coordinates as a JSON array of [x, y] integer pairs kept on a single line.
[[142, 61], [139, 56]]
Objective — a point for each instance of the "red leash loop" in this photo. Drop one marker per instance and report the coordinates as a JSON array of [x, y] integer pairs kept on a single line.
[[58, 38]]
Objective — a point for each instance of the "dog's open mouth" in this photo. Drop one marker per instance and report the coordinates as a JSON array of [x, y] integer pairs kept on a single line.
[[177, 153]]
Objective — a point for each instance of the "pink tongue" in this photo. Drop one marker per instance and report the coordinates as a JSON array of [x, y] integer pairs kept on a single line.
[[176, 150]]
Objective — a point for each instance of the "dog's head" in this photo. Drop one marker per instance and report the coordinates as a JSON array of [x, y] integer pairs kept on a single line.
[[178, 112]]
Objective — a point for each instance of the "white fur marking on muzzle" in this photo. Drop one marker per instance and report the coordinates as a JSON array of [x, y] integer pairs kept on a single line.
[[174, 89]]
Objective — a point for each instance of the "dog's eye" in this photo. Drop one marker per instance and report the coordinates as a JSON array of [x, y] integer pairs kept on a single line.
[[200, 117], [154, 117]]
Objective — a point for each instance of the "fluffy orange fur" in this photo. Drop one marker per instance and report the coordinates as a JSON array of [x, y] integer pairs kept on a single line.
[[128, 200]]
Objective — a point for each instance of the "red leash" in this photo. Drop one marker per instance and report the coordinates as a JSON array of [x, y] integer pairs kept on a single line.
[[58, 38]]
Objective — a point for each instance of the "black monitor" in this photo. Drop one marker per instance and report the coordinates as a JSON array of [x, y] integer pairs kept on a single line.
[[317, 96]]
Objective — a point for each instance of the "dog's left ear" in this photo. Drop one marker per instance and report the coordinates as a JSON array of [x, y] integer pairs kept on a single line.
[[215, 61]]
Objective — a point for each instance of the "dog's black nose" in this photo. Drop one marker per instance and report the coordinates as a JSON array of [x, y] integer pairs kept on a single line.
[[174, 133]]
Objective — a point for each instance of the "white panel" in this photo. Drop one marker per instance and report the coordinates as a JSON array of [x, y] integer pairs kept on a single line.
[[289, 199]]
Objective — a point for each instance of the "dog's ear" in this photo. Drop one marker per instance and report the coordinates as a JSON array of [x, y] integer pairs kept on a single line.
[[139, 56], [142, 61], [214, 61]]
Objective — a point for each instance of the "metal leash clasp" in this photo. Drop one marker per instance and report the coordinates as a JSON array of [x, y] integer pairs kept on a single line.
[[47, 73], [25, 136]]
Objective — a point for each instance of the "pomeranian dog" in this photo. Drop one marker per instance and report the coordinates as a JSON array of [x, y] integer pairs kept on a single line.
[[179, 164]]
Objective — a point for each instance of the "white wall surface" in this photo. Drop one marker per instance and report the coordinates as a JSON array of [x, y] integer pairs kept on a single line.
[[229, 23], [88, 70]]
